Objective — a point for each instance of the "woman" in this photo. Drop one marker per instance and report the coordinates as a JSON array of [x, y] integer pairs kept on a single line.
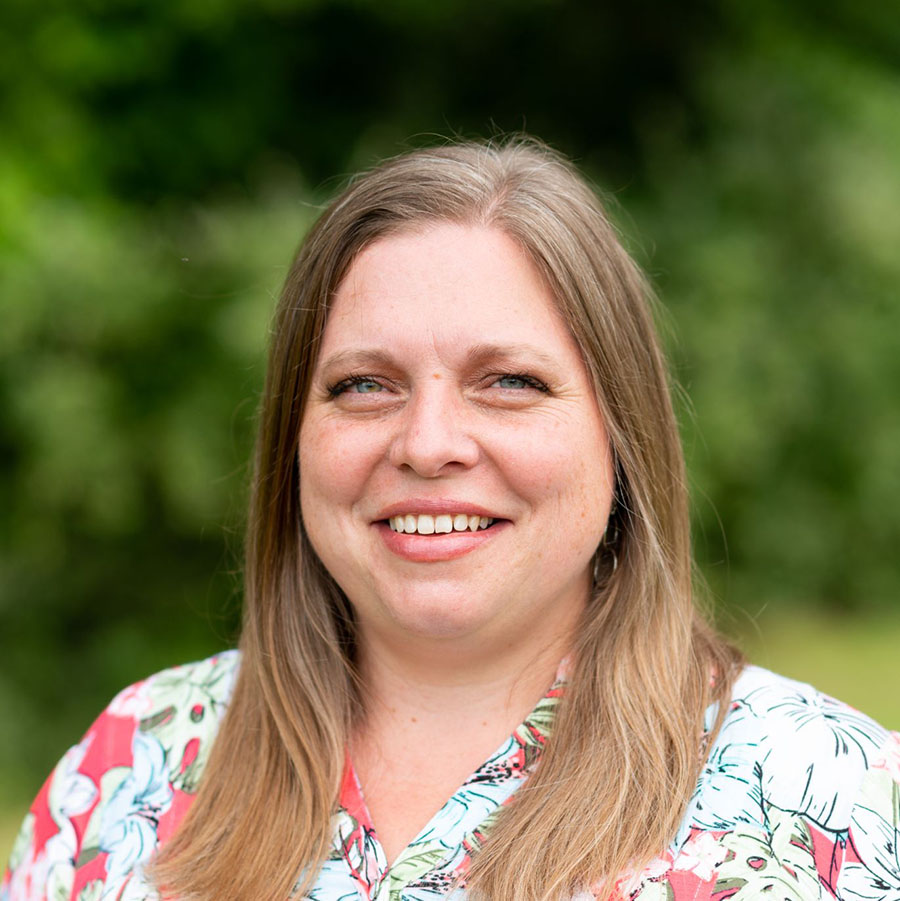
[[468, 564]]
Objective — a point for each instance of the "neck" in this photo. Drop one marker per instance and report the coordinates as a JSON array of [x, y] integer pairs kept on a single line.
[[451, 682], [434, 711]]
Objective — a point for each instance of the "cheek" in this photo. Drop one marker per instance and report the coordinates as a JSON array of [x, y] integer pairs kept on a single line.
[[569, 473], [335, 466]]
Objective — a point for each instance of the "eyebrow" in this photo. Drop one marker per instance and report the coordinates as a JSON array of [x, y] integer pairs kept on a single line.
[[359, 357], [483, 353], [477, 355]]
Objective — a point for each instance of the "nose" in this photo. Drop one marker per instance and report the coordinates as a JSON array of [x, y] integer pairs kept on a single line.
[[434, 434]]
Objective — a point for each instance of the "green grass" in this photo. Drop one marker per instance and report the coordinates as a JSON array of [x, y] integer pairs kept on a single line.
[[854, 660]]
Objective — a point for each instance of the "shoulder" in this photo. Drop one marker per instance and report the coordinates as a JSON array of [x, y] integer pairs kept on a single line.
[[796, 783], [125, 786], [174, 713], [794, 724], [196, 693], [784, 743]]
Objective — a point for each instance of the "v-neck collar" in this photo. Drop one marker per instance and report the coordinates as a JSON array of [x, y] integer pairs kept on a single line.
[[440, 853]]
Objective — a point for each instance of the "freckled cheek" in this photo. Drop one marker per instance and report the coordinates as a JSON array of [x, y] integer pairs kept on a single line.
[[566, 479], [549, 477], [334, 467]]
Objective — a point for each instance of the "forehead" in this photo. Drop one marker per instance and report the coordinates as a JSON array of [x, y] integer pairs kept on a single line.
[[447, 286]]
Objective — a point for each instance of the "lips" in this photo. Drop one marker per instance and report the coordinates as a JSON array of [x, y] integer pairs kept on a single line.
[[433, 530]]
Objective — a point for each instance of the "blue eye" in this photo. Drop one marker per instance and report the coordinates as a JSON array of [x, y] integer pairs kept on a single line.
[[356, 384], [365, 386], [512, 381]]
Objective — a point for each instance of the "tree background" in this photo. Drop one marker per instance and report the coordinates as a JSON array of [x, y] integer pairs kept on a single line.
[[160, 161]]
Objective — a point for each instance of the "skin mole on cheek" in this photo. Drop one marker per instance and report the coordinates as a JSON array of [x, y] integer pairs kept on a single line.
[[436, 375]]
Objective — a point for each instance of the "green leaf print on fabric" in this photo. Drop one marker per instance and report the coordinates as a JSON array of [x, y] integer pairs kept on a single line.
[[542, 716], [156, 721], [344, 827], [536, 729], [477, 837], [412, 865], [93, 891], [109, 783], [880, 795], [875, 831], [186, 705], [655, 891], [57, 889], [781, 862]]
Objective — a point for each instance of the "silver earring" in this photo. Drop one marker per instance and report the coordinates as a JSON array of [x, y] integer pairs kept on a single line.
[[609, 541], [599, 558]]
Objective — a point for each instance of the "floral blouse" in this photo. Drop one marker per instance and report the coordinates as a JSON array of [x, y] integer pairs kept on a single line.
[[799, 799]]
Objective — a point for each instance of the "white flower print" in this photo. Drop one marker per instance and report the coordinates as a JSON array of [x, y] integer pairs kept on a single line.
[[728, 790], [464, 812], [334, 883], [71, 793], [837, 741], [631, 884], [795, 786], [701, 855], [130, 819], [132, 702]]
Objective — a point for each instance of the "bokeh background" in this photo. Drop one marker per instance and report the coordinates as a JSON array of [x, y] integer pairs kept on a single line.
[[160, 161]]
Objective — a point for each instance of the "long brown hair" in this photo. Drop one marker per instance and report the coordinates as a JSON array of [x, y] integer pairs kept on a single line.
[[625, 751]]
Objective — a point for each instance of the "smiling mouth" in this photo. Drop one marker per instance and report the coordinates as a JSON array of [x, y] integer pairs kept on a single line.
[[442, 524]]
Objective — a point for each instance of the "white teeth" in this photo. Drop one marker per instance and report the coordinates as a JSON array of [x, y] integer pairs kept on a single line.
[[443, 523], [425, 524]]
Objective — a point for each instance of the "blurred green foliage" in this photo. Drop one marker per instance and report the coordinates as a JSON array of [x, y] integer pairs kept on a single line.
[[160, 161]]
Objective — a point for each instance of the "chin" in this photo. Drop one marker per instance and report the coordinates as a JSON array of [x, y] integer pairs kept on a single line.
[[439, 618]]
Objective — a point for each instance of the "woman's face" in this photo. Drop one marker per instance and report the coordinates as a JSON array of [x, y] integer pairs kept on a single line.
[[449, 394]]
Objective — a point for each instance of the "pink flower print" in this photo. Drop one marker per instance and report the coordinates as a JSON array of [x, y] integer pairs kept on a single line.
[[701, 855]]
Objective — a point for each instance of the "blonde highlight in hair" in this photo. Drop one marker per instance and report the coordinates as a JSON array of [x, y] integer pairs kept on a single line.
[[625, 753]]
